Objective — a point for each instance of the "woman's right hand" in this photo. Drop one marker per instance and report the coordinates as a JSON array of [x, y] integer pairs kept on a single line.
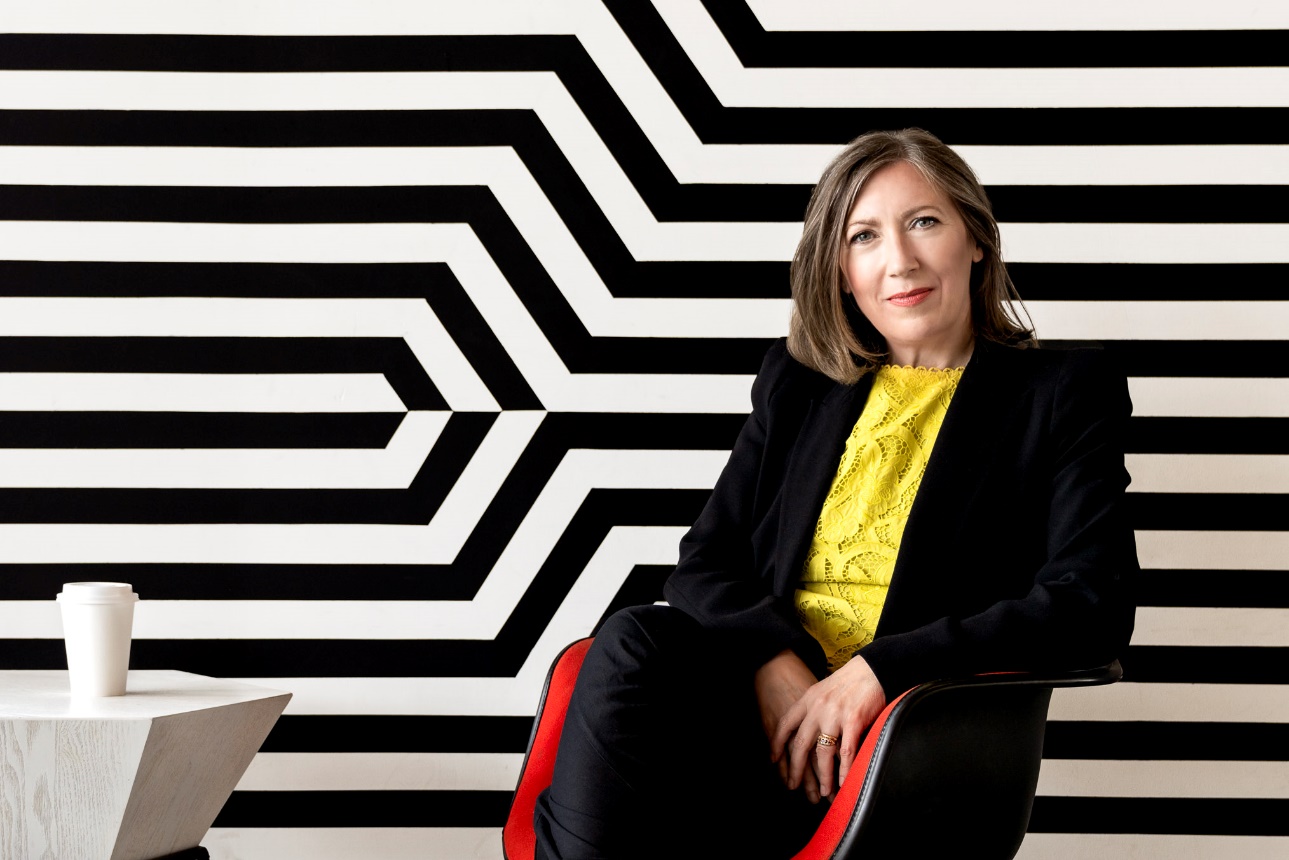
[[780, 684]]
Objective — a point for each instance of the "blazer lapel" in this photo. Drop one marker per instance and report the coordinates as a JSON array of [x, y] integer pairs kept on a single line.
[[811, 469], [953, 473]]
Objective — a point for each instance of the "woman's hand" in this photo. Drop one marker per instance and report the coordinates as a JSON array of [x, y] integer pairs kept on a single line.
[[842, 705], [780, 684]]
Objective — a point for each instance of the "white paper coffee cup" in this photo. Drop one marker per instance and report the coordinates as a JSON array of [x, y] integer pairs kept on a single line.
[[98, 621]]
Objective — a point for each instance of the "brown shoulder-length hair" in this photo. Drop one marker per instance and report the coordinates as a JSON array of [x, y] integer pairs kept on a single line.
[[827, 332]]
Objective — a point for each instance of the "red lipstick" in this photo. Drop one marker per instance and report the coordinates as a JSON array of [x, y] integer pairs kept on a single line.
[[911, 298]]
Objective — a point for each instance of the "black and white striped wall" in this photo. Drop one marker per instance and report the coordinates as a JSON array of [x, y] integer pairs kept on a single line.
[[386, 345]]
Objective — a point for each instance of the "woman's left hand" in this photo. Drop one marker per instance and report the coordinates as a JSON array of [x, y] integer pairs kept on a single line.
[[842, 706]]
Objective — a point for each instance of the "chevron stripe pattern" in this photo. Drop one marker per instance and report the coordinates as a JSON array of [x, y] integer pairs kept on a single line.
[[387, 346]]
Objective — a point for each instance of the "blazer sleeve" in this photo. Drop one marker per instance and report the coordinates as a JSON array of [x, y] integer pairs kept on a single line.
[[716, 579], [1079, 610]]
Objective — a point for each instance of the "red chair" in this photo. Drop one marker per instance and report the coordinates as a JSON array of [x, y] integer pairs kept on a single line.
[[949, 765]]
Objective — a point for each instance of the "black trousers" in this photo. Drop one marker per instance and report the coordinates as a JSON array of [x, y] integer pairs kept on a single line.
[[663, 754]]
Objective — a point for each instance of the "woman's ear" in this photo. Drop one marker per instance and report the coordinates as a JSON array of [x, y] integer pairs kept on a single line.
[[978, 255]]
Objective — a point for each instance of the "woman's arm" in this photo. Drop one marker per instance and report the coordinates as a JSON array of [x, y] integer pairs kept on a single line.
[[716, 578], [1079, 609]]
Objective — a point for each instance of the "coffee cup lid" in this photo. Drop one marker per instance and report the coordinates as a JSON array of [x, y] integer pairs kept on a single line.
[[98, 592]]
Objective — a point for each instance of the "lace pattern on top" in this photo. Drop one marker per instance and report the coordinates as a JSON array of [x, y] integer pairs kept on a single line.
[[852, 554]]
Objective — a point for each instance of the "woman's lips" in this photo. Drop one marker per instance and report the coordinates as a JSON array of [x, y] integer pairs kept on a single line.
[[911, 298]]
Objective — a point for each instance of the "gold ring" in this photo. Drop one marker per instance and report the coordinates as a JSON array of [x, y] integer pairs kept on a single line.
[[826, 740]]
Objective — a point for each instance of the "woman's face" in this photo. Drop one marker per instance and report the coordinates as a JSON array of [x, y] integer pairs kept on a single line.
[[907, 261]]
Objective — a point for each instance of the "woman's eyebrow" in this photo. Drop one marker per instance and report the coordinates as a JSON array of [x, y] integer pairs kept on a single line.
[[905, 214]]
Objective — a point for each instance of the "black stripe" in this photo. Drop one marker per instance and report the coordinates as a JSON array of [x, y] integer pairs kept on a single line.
[[197, 429], [315, 733], [1102, 282], [1167, 435], [1115, 282], [1125, 204], [390, 356], [755, 47], [391, 204], [416, 504], [1166, 741], [1200, 511], [500, 657], [1212, 816], [642, 586], [365, 809], [1234, 588], [238, 280], [503, 656], [1204, 358], [480, 345], [433, 282], [1171, 664], [715, 123], [565, 56], [999, 49]]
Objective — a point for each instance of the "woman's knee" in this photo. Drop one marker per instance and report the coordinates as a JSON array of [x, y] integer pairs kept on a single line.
[[637, 635]]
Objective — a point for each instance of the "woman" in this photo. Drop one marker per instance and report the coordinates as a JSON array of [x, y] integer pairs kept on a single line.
[[919, 492]]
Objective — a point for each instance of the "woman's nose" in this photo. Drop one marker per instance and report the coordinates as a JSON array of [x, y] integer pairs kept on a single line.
[[900, 259]]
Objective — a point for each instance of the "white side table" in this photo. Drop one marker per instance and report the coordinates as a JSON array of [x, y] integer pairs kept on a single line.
[[132, 777]]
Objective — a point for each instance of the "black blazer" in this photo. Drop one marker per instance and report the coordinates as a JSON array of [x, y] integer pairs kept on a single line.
[[1017, 553]]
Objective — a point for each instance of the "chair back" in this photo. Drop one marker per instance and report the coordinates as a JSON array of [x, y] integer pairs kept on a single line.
[[949, 767], [518, 842]]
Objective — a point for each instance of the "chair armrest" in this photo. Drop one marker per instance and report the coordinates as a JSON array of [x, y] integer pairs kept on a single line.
[[1007, 709]]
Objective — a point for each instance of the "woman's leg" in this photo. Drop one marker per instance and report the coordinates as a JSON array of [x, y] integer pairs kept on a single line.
[[662, 752]]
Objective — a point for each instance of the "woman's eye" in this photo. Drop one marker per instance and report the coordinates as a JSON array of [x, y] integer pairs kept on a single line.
[[861, 237], [924, 221]]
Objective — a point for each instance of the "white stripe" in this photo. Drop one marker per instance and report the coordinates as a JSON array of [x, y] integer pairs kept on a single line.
[[1019, 15], [296, 17], [735, 85], [1213, 550], [1208, 473], [578, 472], [597, 584], [50, 543], [420, 243], [197, 392], [1129, 702], [1126, 165], [1124, 701], [1196, 626], [507, 318], [1097, 778], [1209, 397], [454, 244], [399, 771], [668, 131], [687, 158], [1145, 243], [398, 165], [374, 620], [410, 319], [392, 467], [1141, 846], [1164, 320], [415, 17], [346, 843]]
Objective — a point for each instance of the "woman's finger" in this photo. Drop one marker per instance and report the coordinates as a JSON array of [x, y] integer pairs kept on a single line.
[[802, 749], [847, 749], [826, 745], [811, 785]]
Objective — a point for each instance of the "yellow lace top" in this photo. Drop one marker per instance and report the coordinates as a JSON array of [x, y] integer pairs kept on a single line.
[[848, 566]]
